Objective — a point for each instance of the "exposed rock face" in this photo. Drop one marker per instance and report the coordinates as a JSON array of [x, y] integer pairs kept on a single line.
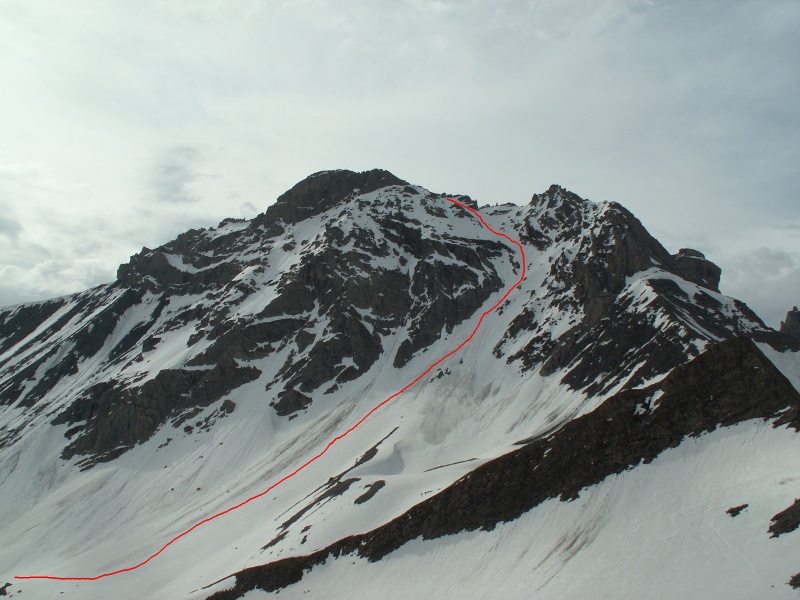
[[791, 326], [729, 383], [324, 190], [786, 521], [735, 511], [19, 324], [112, 418], [794, 582], [616, 337], [617, 249], [694, 266], [107, 308]]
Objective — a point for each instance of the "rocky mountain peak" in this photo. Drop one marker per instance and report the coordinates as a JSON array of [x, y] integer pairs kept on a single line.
[[633, 247], [791, 326], [324, 190], [206, 252], [556, 196]]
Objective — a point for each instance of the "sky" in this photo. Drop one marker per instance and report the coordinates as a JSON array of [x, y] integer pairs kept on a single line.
[[125, 123]]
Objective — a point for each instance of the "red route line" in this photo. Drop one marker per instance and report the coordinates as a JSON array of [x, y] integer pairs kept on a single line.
[[334, 440]]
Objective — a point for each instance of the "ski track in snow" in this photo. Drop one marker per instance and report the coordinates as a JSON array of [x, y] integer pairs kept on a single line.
[[338, 437]]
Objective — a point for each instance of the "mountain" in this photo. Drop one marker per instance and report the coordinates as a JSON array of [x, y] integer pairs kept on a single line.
[[616, 426]]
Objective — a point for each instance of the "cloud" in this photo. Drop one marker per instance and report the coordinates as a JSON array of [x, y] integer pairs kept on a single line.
[[768, 279], [248, 208], [766, 263], [10, 228], [9, 297], [686, 113], [174, 176]]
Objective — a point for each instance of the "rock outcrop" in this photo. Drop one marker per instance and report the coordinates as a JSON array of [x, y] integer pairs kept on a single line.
[[324, 190], [694, 266], [610, 247], [791, 326], [112, 418]]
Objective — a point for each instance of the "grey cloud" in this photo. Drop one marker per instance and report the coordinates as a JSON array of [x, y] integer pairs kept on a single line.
[[33, 273], [248, 208], [769, 262], [174, 176], [686, 113], [10, 228], [10, 296], [772, 301], [768, 279]]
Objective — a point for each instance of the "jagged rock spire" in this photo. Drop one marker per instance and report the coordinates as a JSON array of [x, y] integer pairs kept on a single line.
[[791, 326]]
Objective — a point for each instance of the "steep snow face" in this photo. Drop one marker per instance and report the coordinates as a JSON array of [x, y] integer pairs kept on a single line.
[[222, 361], [661, 530]]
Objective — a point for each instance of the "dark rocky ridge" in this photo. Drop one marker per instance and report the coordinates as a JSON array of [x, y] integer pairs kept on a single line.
[[729, 383], [613, 342], [633, 248], [84, 343], [17, 324], [791, 326], [694, 266], [314, 195], [111, 418]]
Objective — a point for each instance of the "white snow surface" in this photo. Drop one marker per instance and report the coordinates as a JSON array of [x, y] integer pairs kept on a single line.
[[659, 531]]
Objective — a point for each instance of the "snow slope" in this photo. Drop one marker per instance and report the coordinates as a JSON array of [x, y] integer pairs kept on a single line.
[[660, 531]]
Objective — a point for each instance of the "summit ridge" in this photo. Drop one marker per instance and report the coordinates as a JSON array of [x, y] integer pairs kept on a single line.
[[324, 190]]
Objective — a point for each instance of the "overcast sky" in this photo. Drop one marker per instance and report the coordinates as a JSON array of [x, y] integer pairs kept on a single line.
[[125, 123]]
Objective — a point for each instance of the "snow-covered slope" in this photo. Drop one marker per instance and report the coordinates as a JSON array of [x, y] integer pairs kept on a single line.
[[221, 362], [658, 531]]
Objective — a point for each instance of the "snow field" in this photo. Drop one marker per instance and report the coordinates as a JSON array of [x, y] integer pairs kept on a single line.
[[658, 531]]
